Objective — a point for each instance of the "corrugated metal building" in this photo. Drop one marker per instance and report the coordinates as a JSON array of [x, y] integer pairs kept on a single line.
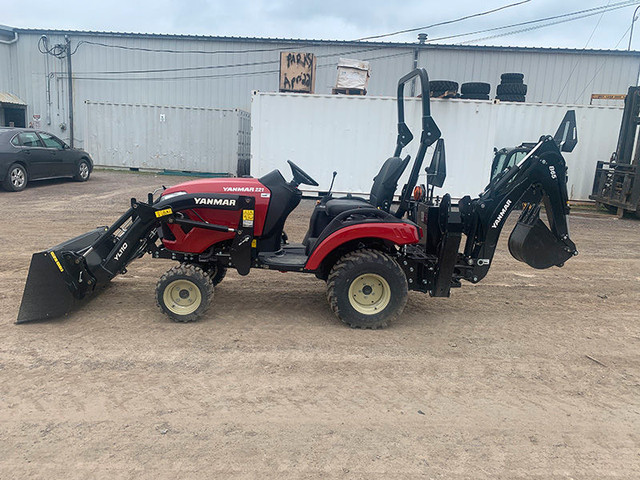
[[221, 72]]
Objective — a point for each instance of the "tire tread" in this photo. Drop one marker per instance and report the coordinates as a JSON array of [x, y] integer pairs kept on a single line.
[[349, 261], [192, 271]]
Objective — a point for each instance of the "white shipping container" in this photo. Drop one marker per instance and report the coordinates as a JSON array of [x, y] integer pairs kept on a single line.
[[191, 139], [354, 135]]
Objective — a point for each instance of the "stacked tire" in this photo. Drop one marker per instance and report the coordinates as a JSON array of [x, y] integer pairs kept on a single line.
[[443, 89], [512, 88], [475, 91]]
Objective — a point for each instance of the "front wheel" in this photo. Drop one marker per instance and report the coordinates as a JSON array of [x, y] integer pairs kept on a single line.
[[184, 293], [367, 289], [16, 179], [216, 272], [82, 172]]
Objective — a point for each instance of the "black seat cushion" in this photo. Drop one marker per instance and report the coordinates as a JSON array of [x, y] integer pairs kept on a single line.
[[336, 206]]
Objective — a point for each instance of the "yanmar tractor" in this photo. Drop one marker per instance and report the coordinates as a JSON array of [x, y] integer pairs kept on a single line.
[[370, 252]]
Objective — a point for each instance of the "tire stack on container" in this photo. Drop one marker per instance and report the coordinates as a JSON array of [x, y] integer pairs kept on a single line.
[[475, 91], [443, 89], [511, 88]]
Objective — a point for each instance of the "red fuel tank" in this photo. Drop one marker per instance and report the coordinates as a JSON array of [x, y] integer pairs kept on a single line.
[[197, 240]]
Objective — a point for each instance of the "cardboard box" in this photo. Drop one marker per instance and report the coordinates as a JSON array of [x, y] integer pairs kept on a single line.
[[353, 74]]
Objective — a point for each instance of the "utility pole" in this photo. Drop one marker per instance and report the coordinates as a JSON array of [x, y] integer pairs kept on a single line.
[[70, 88], [633, 19]]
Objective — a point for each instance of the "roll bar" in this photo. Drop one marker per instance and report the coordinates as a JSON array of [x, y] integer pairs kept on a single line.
[[430, 134]]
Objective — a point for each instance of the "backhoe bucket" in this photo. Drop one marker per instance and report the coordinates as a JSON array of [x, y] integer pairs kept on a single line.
[[58, 279], [534, 244]]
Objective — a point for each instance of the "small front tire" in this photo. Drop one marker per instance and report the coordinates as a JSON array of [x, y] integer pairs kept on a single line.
[[216, 272], [367, 289], [184, 293], [16, 179], [83, 171]]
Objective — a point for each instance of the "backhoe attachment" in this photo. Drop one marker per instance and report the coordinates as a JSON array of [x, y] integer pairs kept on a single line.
[[539, 178]]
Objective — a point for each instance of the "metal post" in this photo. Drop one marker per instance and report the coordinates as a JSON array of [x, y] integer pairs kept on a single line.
[[415, 65], [633, 19], [70, 88]]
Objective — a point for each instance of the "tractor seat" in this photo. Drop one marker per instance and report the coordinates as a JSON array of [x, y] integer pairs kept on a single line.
[[336, 206]]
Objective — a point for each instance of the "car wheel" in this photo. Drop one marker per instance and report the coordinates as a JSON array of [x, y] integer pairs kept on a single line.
[[83, 172], [16, 179]]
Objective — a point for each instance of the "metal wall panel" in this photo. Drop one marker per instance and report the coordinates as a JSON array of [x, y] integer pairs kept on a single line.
[[166, 137], [231, 68], [354, 135], [552, 77]]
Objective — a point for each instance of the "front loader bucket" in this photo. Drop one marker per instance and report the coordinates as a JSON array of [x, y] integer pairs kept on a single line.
[[57, 279], [534, 244]]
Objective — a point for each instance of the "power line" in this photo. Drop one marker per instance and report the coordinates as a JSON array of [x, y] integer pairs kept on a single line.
[[207, 52], [536, 27], [215, 67], [602, 8], [221, 75], [578, 61], [600, 68], [447, 22]]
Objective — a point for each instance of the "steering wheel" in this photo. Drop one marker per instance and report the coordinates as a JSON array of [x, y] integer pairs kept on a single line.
[[299, 176]]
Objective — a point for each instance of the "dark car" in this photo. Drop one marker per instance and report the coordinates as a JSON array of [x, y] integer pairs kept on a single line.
[[27, 154]]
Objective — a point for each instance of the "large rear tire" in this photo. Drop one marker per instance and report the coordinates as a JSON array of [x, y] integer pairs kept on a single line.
[[16, 179], [367, 289], [184, 293]]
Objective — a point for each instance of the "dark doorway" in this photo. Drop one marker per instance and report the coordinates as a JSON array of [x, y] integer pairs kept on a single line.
[[17, 116]]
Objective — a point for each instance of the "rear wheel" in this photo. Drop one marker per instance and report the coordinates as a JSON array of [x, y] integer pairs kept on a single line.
[[184, 293], [16, 179], [83, 171], [367, 289]]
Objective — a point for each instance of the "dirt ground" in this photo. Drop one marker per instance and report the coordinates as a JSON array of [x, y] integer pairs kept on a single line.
[[529, 374]]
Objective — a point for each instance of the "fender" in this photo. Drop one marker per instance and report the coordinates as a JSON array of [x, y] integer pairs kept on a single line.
[[399, 233]]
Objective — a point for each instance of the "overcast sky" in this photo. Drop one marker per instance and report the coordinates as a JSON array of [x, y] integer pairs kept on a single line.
[[331, 19]]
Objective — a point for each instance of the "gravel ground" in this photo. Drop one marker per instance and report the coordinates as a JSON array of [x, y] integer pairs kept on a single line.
[[529, 374]]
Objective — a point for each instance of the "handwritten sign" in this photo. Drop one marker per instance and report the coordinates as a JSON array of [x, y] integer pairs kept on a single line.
[[297, 72]]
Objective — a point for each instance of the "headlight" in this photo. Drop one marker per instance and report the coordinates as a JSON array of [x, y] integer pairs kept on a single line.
[[171, 195]]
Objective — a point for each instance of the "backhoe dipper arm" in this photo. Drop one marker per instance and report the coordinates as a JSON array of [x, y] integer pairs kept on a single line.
[[541, 176]]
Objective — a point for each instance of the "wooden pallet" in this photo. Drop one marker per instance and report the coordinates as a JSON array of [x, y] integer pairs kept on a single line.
[[348, 91]]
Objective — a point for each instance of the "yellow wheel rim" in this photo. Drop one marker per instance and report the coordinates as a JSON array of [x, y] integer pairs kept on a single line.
[[182, 297], [369, 294]]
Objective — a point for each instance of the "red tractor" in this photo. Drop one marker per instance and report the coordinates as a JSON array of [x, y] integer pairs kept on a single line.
[[370, 252]]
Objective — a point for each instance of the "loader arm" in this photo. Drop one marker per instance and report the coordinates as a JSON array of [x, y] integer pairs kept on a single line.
[[62, 276], [539, 178]]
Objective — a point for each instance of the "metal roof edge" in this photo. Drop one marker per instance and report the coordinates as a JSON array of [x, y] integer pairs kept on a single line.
[[427, 46]]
